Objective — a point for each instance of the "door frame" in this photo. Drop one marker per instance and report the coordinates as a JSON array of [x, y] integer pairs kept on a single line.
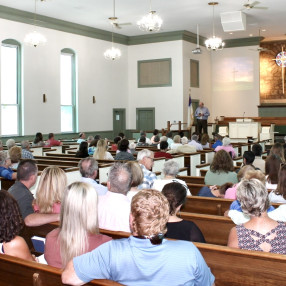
[[145, 109], [124, 119]]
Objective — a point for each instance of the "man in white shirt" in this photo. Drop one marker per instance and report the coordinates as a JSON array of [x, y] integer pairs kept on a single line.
[[88, 168], [114, 206], [186, 148], [194, 142]]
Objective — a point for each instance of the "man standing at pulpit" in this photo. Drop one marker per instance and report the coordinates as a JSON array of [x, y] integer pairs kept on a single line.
[[202, 113]]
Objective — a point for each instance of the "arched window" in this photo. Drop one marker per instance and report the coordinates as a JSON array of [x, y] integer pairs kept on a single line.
[[11, 92], [68, 91]]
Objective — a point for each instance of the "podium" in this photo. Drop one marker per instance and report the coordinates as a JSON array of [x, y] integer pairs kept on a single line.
[[244, 129]]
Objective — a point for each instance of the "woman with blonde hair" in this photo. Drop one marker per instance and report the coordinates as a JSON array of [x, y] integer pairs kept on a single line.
[[137, 178], [101, 152], [260, 233], [51, 187], [78, 232]]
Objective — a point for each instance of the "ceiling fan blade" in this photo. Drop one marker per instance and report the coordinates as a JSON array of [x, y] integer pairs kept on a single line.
[[124, 24], [254, 3], [262, 8]]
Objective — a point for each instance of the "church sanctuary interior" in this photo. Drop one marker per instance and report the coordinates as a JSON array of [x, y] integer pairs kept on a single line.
[[241, 80], [82, 82]]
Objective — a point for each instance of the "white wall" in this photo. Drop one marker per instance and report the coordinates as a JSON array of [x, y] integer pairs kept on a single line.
[[203, 92], [229, 81], [168, 101], [106, 80], [235, 82]]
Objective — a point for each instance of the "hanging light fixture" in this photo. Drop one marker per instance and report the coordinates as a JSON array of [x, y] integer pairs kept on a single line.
[[214, 43], [151, 22], [112, 53], [35, 38]]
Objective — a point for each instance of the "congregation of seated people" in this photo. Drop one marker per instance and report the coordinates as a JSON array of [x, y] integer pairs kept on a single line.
[[135, 200]]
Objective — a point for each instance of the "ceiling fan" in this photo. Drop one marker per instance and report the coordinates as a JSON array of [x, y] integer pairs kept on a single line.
[[114, 20], [259, 48], [253, 5]]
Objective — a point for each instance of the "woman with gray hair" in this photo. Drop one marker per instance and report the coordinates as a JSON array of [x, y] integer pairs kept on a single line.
[[261, 233], [170, 171], [226, 145]]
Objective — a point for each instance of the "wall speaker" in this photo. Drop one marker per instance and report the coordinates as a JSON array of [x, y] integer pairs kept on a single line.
[[233, 21]]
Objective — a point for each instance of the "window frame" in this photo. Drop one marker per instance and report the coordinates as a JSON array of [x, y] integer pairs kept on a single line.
[[74, 99], [14, 43]]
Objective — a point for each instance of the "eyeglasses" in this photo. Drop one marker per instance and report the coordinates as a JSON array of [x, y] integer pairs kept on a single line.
[[155, 239], [152, 159]]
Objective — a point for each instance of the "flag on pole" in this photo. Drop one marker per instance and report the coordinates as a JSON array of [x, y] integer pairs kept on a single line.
[[190, 112]]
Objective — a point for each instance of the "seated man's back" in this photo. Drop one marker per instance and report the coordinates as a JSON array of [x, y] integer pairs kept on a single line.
[[135, 261], [113, 212]]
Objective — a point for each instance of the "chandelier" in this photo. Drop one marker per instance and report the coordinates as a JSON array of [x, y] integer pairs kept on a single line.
[[214, 43], [35, 38], [112, 53], [151, 22]]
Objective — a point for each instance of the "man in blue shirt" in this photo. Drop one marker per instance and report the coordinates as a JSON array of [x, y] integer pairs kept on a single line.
[[145, 258], [202, 113]]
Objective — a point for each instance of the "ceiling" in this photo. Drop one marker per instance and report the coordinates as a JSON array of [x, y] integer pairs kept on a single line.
[[177, 15]]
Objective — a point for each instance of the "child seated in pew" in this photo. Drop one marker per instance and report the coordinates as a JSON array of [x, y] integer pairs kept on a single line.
[[78, 232], [49, 193], [230, 193], [178, 228], [260, 233], [214, 191], [11, 223], [251, 174]]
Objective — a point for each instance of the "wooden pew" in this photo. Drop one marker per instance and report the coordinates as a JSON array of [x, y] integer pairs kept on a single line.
[[214, 228], [203, 205], [195, 188], [237, 267], [211, 206], [17, 271], [230, 266], [192, 179], [5, 183]]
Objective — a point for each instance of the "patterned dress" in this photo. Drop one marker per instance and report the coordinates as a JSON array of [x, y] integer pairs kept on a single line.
[[252, 240]]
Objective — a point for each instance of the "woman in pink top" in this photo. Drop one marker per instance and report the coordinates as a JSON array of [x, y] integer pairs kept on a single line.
[[227, 147], [78, 232], [49, 193], [231, 192]]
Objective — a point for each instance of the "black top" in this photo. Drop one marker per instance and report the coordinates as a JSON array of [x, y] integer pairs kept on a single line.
[[184, 230], [80, 154]]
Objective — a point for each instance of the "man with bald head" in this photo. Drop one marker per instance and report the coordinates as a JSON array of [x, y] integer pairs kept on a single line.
[[88, 168], [114, 206], [202, 113]]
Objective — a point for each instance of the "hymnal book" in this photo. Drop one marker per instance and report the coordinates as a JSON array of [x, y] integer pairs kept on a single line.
[[39, 243]]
